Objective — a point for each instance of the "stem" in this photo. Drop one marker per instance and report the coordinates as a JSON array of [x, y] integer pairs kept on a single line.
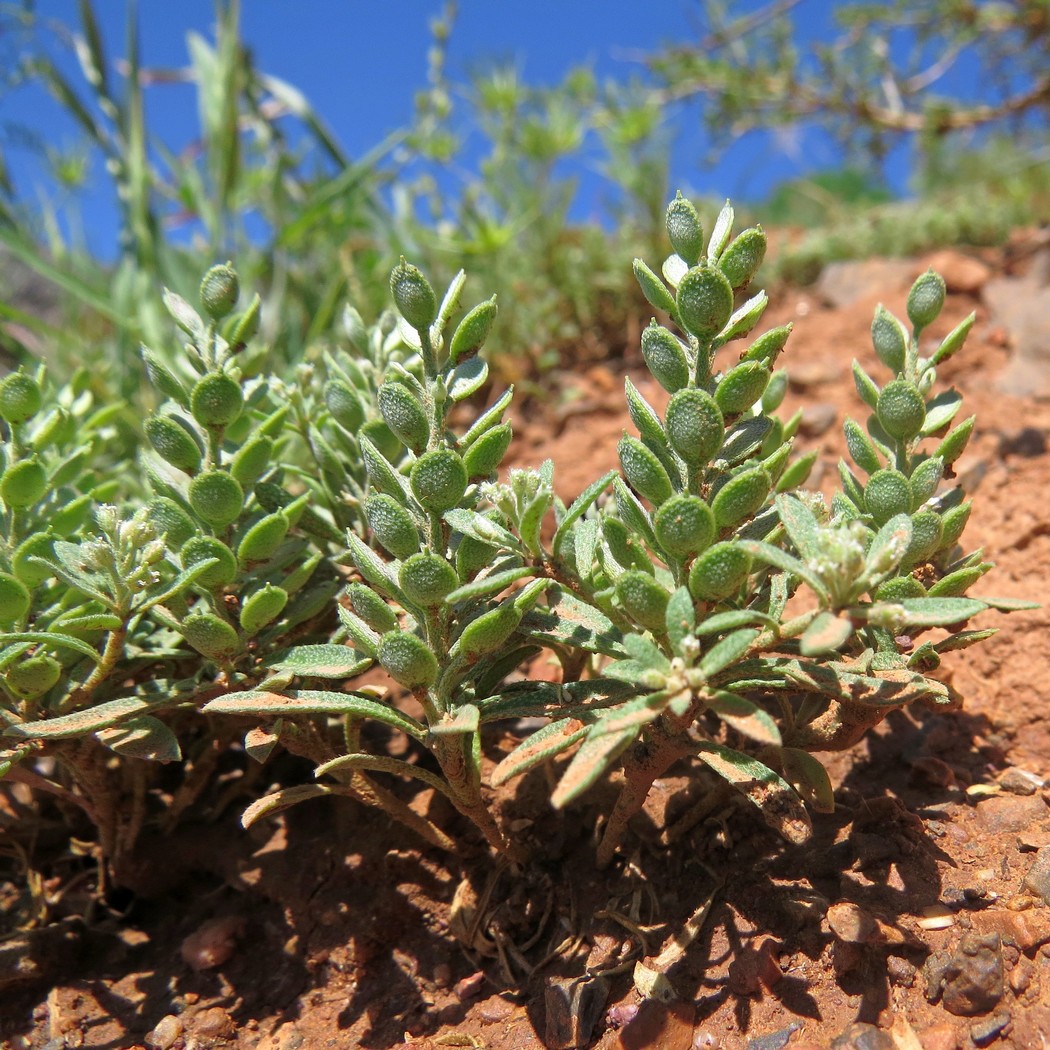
[[112, 654]]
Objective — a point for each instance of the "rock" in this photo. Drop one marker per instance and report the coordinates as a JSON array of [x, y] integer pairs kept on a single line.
[[962, 273], [1025, 929], [773, 1041], [972, 982], [818, 419], [213, 943], [666, 1025], [940, 1037], [1020, 781], [852, 924], [164, 1035], [984, 1032], [1032, 839], [495, 1009], [573, 1007], [469, 987], [1021, 305], [845, 283], [1037, 881], [213, 1023], [860, 1036], [933, 970], [756, 967], [1005, 813]]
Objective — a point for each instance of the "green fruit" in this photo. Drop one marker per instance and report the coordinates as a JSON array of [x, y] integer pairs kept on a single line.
[[695, 427], [766, 347], [489, 632], [926, 299], [201, 548], [426, 579], [20, 397], [901, 409], [886, 494], [741, 496], [484, 457], [371, 608], [684, 230], [33, 676], [173, 443], [252, 460], [741, 260], [439, 480], [953, 521], [955, 441], [219, 291], [383, 438], [684, 525], [413, 296], [890, 339], [705, 301], [924, 480], [31, 573], [404, 415], [644, 471], [344, 404], [23, 483], [14, 598], [210, 636], [472, 331], [216, 400], [262, 607], [900, 588], [392, 525], [741, 387], [382, 477], [408, 660], [926, 529], [665, 357], [472, 556], [654, 290], [643, 599], [262, 539], [170, 521], [775, 391], [718, 572], [216, 497]]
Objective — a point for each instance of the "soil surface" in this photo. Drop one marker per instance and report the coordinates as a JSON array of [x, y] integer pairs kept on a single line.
[[916, 918]]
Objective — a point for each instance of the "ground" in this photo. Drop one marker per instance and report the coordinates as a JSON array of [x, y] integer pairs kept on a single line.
[[916, 917]]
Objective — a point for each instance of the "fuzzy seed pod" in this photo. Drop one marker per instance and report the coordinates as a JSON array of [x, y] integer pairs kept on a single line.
[[23, 484], [14, 598], [240, 330], [170, 521], [392, 525], [705, 301], [926, 527], [413, 296], [33, 676], [773, 395], [741, 260], [20, 397], [924, 480], [484, 457], [695, 427], [38, 545], [901, 409], [643, 599], [644, 472], [216, 400], [890, 339], [886, 494], [489, 632], [344, 404], [217, 498], [718, 572], [426, 579], [900, 588], [684, 230], [767, 346], [955, 441], [252, 460], [926, 299], [371, 608], [439, 480], [404, 415], [953, 521], [219, 291], [408, 660], [741, 497], [210, 636], [262, 607], [472, 556], [201, 548], [741, 387], [471, 333], [173, 443], [684, 525], [664, 357], [262, 539], [655, 291], [383, 438]]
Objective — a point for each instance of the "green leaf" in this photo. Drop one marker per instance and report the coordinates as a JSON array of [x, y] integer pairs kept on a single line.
[[727, 651], [320, 661], [581, 504], [384, 764], [487, 585], [744, 716], [545, 743], [809, 778], [146, 737], [488, 419], [645, 652], [90, 720], [937, 612], [632, 715], [941, 411], [482, 528], [568, 621], [595, 757], [268, 805], [1010, 604], [801, 525], [467, 378], [888, 547], [780, 559], [464, 719], [681, 617], [963, 640], [376, 571], [728, 621], [825, 634], [50, 638], [644, 417]]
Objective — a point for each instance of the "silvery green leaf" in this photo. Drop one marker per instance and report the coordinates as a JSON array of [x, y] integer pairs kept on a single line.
[[780, 559], [727, 651], [674, 269], [888, 547], [585, 542], [491, 417], [545, 743], [50, 638], [630, 716], [408, 335], [720, 234], [90, 720], [376, 571], [866, 387], [644, 416], [744, 716], [801, 526], [483, 528], [963, 640], [485, 586], [744, 318], [450, 303], [642, 649], [635, 672], [809, 778], [941, 411], [825, 634], [360, 633], [632, 513], [744, 439], [164, 380], [568, 621], [464, 719], [680, 617], [938, 612], [273, 803], [383, 764], [319, 661], [184, 315], [467, 378], [1010, 604], [593, 759], [144, 737], [259, 743], [728, 621]]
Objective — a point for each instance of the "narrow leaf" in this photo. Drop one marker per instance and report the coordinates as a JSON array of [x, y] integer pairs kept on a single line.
[[545, 743]]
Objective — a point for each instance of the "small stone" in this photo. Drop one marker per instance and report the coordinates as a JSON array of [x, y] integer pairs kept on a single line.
[[844, 283], [1005, 813], [469, 987], [494, 1009], [852, 924], [818, 419], [901, 972], [962, 273], [985, 1032], [213, 943], [940, 1037], [442, 975], [163, 1036], [774, 1041], [1025, 929], [1037, 881], [213, 1023], [860, 1036], [1019, 781], [1032, 839], [973, 980], [666, 1025]]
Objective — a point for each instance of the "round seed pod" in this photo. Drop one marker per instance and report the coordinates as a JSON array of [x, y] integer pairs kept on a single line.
[[705, 301], [20, 397], [201, 548], [216, 497], [740, 497], [392, 525], [695, 426], [890, 339], [901, 409], [439, 480], [426, 579], [684, 525], [220, 289], [14, 598], [924, 480], [344, 404], [887, 493], [664, 357], [371, 608], [210, 636], [38, 545], [404, 415], [413, 296], [684, 230], [216, 400], [741, 387], [262, 539], [173, 443], [643, 470], [408, 660], [953, 522], [472, 556], [926, 527], [767, 346], [170, 521], [262, 607], [900, 588], [252, 460], [33, 676], [742, 258], [643, 599], [489, 632], [471, 333], [719, 572], [23, 483], [926, 299], [485, 455]]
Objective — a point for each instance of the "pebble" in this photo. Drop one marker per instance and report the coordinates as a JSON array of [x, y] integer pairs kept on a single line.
[[972, 980], [163, 1037], [818, 419], [985, 1032], [213, 943], [1025, 929], [1032, 839], [860, 1036], [213, 1023], [1019, 781], [470, 987], [668, 1026], [845, 283], [1005, 813], [1037, 881], [495, 1009], [775, 1040], [940, 1037]]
